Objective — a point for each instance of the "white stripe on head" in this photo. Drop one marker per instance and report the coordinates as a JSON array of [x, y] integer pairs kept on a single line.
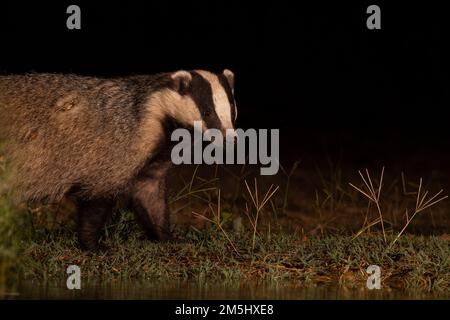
[[221, 103]]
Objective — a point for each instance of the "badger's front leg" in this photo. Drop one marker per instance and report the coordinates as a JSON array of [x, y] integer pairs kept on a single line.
[[150, 203], [92, 216]]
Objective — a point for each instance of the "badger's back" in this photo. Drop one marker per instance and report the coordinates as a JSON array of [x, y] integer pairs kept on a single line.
[[65, 131]]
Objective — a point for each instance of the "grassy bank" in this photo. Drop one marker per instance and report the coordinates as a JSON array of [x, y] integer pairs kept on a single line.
[[414, 262], [232, 228]]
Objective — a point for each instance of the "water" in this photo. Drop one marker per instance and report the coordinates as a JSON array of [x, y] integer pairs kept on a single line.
[[198, 291]]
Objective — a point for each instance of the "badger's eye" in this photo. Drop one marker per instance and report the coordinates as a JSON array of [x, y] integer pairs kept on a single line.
[[206, 113]]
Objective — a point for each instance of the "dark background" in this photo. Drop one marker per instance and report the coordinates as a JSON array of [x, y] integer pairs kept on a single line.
[[314, 71]]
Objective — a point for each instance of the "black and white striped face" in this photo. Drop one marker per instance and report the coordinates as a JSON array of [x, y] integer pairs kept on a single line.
[[206, 97]]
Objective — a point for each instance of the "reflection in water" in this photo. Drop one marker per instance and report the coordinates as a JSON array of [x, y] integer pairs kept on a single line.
[[201, 290]]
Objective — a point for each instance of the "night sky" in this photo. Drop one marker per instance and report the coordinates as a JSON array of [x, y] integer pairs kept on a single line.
[[314, 71]]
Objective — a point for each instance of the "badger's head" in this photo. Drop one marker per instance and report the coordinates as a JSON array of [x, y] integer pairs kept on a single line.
[[204, 96]]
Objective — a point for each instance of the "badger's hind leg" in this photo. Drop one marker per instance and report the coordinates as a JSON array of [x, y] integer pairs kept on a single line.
[[92, 216], [150, 207]]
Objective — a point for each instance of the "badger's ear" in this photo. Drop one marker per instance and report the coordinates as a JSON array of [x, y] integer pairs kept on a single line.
[[181, 81], [230, 77]]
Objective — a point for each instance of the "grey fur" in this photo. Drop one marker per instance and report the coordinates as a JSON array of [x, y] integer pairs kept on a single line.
[[97, 138], [66, 130]]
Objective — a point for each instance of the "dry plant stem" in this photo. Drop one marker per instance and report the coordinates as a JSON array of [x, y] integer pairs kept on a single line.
[[373, 195], [189, 190], [376, 221], [421, 204], [217, 221], [259, 205]]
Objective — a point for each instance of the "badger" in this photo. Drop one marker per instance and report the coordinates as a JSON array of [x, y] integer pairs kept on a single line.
[[99, 139]]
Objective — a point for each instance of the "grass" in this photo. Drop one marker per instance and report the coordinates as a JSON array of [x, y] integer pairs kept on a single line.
[[259, 205], [415, 262], [228, 230], [422, 203], [373, 194]]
